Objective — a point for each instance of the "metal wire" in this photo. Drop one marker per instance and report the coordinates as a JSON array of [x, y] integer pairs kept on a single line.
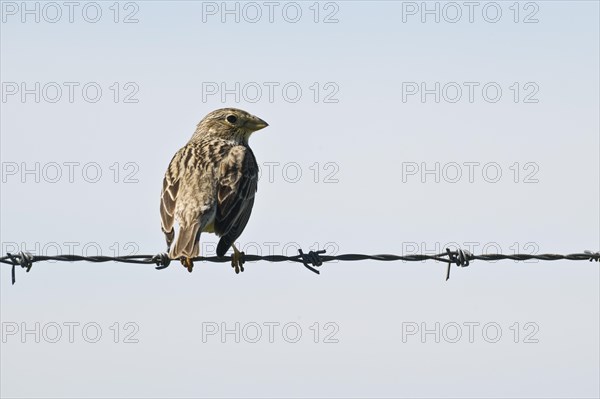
[[311, 260]]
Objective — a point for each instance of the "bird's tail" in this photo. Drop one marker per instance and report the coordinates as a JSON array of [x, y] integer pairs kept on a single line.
[[187, 242], [224, 245]]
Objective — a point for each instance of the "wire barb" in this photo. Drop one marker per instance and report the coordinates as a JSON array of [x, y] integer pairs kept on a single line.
[[460, 257], [311, 258], [23, 259], [594, 256], [162, 260]]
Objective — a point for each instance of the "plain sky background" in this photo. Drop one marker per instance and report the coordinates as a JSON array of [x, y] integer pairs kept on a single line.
[[359, 202]]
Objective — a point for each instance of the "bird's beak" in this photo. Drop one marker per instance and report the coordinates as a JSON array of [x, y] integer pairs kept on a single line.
[[257, 124]]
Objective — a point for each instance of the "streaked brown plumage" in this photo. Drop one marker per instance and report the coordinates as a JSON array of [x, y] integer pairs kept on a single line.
[[210, 184]]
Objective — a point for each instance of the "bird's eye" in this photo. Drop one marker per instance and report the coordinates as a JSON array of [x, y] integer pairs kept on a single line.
[[231, 119]]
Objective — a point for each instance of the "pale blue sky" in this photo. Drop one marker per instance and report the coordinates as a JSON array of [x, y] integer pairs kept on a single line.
[[364, 140]]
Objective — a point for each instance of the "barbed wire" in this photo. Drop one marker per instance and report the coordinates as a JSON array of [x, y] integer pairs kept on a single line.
[[310, 260]]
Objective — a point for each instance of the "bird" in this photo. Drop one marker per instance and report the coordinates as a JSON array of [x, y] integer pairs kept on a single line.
[[209, 186]]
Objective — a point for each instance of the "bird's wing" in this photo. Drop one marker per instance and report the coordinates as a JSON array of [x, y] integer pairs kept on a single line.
[[188, 197], [168, 196], [238, 177]]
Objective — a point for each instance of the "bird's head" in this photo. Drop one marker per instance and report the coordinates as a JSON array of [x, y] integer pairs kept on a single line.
[[230, 123]]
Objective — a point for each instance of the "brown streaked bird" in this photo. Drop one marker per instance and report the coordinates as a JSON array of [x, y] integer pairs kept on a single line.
[[210, 184]]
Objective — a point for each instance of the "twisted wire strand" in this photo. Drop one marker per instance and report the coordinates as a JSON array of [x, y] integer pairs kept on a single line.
[[310, 260]]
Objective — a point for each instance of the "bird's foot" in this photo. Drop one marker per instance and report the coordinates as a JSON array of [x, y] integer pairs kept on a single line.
[[187, 263], [237, 260]]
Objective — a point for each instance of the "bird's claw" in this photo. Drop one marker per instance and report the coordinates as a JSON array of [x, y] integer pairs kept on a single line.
[[237, 261], [187, 263]]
